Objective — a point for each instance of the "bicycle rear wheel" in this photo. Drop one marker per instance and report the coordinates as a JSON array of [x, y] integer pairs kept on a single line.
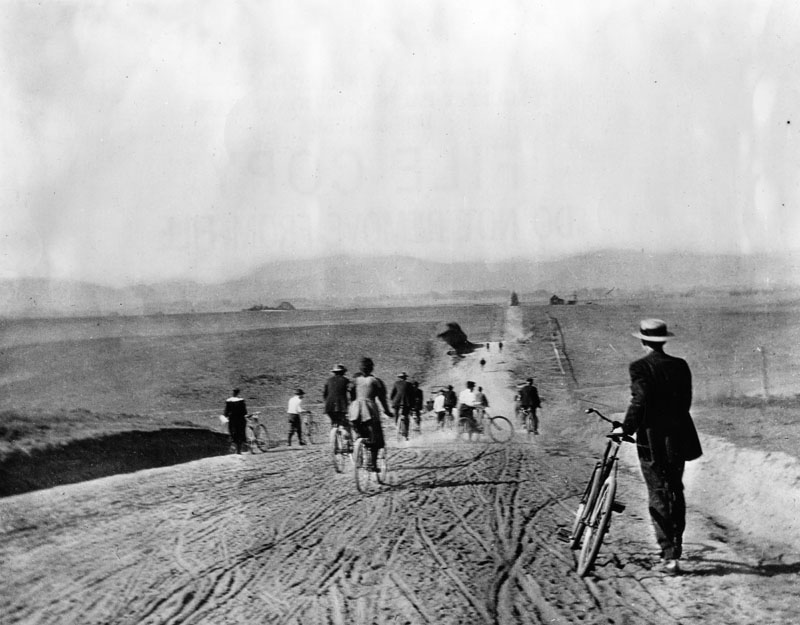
[[250, 438], [338, 450], [500, 429], [261, 438], [464, 429], [312, 432], [596, 530], [584, 508], [360, 465]]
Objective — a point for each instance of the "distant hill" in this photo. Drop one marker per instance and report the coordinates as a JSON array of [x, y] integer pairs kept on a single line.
[[343, 280]]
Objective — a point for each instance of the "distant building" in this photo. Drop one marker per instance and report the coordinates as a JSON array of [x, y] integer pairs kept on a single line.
[[555, 300], [285, 306]]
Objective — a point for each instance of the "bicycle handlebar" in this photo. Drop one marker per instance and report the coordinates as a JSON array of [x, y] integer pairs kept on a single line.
[[616, 437]]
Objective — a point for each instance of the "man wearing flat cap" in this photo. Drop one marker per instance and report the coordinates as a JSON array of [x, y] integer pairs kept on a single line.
[[337, 398], [658, 414]]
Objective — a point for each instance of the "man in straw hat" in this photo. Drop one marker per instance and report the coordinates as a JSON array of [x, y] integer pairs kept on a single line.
[[336, 396], [658, 414], [294, 411]]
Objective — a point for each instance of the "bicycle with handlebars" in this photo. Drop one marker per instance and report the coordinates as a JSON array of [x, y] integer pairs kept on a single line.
[[593, 516]]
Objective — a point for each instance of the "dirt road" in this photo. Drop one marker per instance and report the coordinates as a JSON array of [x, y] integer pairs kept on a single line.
[[465, 533]]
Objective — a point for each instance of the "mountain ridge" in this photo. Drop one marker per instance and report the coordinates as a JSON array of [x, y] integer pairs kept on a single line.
[[337, 280]]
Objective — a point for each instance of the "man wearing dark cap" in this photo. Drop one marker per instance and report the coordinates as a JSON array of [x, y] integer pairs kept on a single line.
[[658, 414], [337, 398], [294, 411], [529, 398]]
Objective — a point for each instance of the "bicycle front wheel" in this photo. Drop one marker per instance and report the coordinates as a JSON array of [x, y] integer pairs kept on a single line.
[[500, 429], [337, 449], [596, 530], [261, 438], [584, 508], [383, 466]]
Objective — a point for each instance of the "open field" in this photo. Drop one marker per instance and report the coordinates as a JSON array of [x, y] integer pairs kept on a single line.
[[67, 379]]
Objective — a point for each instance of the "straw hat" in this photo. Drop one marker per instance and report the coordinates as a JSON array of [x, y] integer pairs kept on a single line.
[[653, 330]]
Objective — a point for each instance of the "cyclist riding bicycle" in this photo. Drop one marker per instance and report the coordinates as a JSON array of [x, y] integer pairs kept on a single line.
[[368, 393], [467, 405], [529, 399]]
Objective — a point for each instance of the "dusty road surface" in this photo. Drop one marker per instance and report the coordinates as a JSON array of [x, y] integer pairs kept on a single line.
[[464, 533]]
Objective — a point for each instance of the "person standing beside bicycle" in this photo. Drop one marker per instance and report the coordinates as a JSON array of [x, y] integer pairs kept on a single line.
[[402, 397], [658, 414], [294, 412], [529, 399], [467, 404], [418, 406], [369, 395], [236, 413], [336, 395]]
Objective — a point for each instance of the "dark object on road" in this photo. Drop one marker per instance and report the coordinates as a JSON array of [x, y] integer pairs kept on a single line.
[[456, 338]]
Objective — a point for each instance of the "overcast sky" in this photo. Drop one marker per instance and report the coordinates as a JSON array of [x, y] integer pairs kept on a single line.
[[152, 140]]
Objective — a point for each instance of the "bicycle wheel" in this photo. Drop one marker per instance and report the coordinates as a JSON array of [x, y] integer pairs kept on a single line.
[[597, 527], [261, 438], [383, 467], [584, 507], [312, 434], [500, 429], [250, 439], [360, 465], [337, 449]]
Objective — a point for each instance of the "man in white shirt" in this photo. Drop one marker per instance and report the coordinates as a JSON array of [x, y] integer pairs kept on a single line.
[[438, 409], [294, 411], [466, 404]]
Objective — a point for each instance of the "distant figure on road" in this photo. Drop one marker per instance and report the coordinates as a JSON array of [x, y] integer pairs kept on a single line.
[[661, 395], [529, 398], [236, 413], [483, 363], [368, 393], [487, 345], [450, 402], [402, 397], [500, 346], [294, 411], [337, 397], [438, 408]]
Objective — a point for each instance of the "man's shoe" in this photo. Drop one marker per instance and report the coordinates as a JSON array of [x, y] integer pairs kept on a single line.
[[671, 567]]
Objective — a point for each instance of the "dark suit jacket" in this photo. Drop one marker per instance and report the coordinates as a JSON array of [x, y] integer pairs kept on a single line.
[[661, 395], [529, 397], [335, 394], [403, 394]]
